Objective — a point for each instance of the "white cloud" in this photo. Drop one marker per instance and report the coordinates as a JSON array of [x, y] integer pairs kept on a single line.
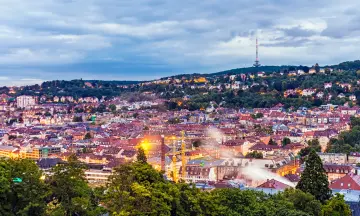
[[26, 56], [196, 35]]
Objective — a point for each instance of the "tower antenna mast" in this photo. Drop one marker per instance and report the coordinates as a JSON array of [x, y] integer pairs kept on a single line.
[[257, 62]]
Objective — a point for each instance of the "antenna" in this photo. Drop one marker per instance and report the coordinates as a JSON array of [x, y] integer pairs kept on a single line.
[[257, 62], [257, 50]]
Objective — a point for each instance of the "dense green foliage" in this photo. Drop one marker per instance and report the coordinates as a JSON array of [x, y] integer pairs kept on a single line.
[[66, 193], [257, 115], [262, 92], [267, 92], [77, 119], [87, 136], [349, 65], [254, 70], [25, 198], [347, 141], [255, 154], [76, 88], [141, 157], [285, 141], [272, 142], [196, 143], [112, 107], [138, 189], [312, 145], [71, 194], [336, 207], [314, 179]]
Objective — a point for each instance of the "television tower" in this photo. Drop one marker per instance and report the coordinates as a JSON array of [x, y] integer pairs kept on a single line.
[[257, 62]]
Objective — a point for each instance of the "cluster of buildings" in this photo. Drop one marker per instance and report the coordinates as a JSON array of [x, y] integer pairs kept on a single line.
[[320, 94], [212, 149], [226, 136]]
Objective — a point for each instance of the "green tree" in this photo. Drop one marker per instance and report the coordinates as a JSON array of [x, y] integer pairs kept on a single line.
[[141, 156], [21, 198], [302, 201], [247, 202], [314, 179], [315, 144], [87, 136], [272, 142], [317, 68], [305, 152], [5, 188], [336, 206], [254, 154], [135, 115], [327, 71], [285, 141], [112, 107], [137, 189], [101, 108], [259, 115], [71, 194], [174, 121], [197, 143], [354, 121], [77, 119]]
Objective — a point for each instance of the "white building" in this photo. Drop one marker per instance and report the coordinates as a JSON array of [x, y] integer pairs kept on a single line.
[[327, 85], [333, 158], [308, 92], [352, 97], [24, 101], [97, 176]]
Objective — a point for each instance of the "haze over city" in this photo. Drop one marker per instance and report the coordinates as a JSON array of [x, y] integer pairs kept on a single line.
[[144, 40]]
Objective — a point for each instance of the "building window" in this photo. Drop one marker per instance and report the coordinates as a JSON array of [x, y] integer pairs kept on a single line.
[[342, 184], [349, 185]]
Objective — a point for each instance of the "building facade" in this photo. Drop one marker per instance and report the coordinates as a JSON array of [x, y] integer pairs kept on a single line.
[[24, 101]]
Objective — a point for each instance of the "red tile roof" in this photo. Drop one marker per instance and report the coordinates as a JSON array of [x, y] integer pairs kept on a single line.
[[350, 181], [274, 184]]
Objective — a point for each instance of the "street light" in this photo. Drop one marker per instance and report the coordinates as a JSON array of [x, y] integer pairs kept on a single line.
[[145, 145]]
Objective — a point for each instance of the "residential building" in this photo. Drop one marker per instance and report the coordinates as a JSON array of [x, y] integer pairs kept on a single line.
[[25, 101]]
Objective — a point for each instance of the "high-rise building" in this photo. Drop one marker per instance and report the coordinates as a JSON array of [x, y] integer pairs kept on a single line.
[[23, 101]]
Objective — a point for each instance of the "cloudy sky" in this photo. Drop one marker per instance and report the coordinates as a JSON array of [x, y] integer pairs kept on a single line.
[[146, 39]]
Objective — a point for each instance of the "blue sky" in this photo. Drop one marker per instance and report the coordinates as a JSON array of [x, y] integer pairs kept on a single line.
[[143, 39]]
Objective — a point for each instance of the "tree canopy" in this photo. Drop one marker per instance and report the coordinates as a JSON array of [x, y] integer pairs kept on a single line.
[[347, 141], [285, 141], [336, 206], [254, 154], [71, 194], [137, 189], [141, 156], [314, 179]]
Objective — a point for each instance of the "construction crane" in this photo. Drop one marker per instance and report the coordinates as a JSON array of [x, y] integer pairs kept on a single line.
[[183, 159], [174, 171], [182, 152]]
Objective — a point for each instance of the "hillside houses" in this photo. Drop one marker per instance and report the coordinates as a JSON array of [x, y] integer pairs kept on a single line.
[[308, 92]]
